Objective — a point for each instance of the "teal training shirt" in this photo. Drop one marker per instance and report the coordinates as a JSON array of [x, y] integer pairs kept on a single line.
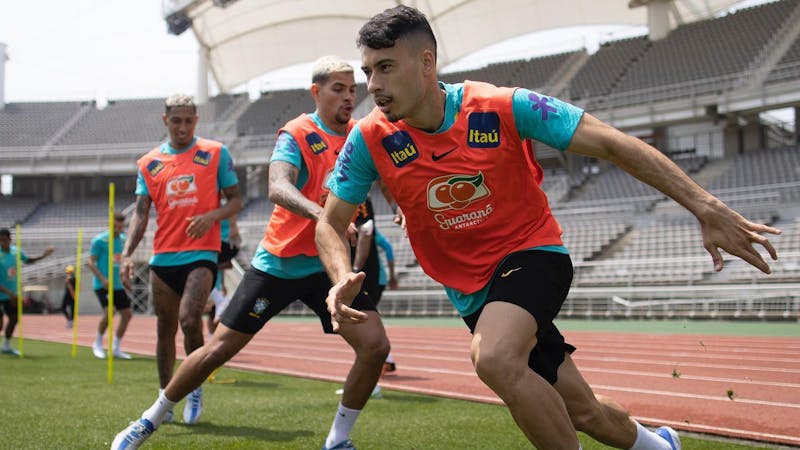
[[8, 269], [99, 249]]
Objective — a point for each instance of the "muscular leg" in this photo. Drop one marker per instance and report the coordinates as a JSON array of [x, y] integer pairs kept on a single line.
[[193, 371], [596, 415], [371, 345], [501, 345], [195, 294], [165, 303]]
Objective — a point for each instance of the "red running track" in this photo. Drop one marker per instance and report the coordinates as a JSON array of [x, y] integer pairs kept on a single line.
[[684, 381]]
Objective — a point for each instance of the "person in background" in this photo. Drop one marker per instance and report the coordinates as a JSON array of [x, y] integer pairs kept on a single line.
[[8, 285], [98, 264], [68, 300], [184, 179]]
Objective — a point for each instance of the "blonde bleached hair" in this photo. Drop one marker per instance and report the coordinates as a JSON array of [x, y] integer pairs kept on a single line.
[[179, 101], [327, 65]]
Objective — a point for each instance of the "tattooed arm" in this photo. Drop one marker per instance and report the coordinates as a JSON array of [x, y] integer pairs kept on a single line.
[[284, 192], [136, 229]]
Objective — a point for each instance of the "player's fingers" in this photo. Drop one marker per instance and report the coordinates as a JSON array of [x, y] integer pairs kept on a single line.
[[764, 242], [716, 257]]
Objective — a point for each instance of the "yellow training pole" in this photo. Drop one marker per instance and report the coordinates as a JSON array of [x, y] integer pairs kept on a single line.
[[110, 282], [19, 292], [77, 293]]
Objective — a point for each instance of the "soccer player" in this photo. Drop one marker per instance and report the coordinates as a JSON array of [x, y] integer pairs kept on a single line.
[[183, 178], [286, 265], [454, 158], [8, 284], [98, 264]]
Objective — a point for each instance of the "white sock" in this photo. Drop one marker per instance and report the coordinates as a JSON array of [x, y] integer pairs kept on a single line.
[[116, 344], [159, 409], [647, 440], [390, 359], [98, 341], [6, 342], [342, 425]]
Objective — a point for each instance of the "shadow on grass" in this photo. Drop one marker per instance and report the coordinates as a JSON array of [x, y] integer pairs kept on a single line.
[[262, 434], [396, 397], [250, 384]]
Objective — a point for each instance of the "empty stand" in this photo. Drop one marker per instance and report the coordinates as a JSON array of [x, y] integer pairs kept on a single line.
[[33, 124]]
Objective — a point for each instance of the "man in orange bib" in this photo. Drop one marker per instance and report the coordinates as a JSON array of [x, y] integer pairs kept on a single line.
[[286, 265], [456, 160], [182, 178]]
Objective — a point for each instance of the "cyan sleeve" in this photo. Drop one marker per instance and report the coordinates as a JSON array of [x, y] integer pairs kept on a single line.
[[287, 150], [141, 186], [354, 171], [226, 172], [95, 249], [545, 119], [383, 243]]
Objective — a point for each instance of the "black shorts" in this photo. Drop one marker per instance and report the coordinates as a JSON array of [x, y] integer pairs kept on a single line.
[[9, 307], [261, 296], [537, 281], [121, 300], [381, 288], [227, 252], [175, 276]]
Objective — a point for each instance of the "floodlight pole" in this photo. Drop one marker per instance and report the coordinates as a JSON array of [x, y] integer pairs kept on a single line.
[[3, 59], [202, 75]]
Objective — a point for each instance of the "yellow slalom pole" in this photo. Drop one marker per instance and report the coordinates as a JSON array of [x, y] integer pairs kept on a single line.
[[19, 293], [76, 305], [110, 283]]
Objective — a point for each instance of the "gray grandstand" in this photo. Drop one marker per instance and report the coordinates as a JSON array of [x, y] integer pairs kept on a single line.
[[697, 95]]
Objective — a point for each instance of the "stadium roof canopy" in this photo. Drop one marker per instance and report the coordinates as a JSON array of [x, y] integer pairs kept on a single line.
[[247, 38]]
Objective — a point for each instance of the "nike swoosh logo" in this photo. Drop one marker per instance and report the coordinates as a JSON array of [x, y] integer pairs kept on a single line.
[[505, 274], [436, 157]]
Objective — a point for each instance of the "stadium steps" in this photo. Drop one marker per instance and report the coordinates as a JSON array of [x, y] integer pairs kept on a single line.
[[65, 129], [558, 84], [780, 42], [228, 119], [608, 251]]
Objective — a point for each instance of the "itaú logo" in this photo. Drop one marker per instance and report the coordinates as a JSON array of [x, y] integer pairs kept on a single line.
[[455, 191]]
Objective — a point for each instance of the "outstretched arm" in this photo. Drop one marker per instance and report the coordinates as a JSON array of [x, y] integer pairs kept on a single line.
[[331, 239], [722, 227], [47, 252]]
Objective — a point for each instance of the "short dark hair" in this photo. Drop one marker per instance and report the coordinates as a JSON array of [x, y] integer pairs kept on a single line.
[[119, 217], [385, 28], [5, 232]]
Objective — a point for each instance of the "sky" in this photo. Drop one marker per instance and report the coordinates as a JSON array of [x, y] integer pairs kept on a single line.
[[109, 49]]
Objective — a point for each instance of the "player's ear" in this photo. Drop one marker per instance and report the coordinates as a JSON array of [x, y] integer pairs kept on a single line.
[[428, 61]]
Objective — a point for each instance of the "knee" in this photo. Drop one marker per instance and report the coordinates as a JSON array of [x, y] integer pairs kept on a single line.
[[191, 323], [493, 366], [376, 348]]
